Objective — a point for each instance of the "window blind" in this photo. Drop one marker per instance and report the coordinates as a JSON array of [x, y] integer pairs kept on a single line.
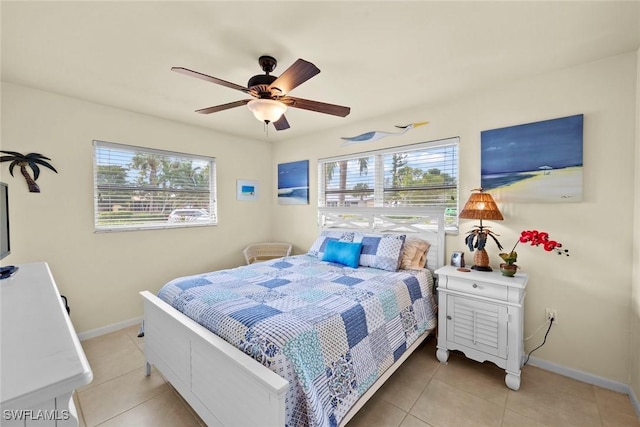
[[424, 174], [139, 188]]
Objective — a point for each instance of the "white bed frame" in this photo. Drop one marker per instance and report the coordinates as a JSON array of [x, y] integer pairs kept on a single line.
[[225, 386]]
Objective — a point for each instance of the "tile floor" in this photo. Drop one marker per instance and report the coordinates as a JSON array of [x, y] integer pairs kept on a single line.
[[423, 392]]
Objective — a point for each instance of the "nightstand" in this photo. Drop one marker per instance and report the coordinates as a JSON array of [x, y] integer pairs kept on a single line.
[[481, 314]]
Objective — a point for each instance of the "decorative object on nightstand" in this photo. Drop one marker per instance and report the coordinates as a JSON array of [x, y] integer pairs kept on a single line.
[[481, 314], [480, 206], [535, 238], [457, 259], [508, 269]]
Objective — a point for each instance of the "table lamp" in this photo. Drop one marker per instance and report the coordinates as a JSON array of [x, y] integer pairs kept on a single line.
[[480, 206]]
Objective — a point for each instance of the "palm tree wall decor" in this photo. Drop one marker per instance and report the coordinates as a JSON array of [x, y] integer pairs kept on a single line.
[[23, 160]]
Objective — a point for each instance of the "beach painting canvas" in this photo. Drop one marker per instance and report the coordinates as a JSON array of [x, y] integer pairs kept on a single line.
[[293, 183], [535, 162]]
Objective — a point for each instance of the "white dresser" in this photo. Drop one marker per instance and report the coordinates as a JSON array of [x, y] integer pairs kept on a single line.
[[42, 361], [481, 314]]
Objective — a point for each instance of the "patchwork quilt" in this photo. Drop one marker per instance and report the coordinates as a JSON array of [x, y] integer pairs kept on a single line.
[[328, 329]]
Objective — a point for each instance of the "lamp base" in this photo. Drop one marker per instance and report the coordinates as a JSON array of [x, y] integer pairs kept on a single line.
[[481, 268], [481, 261]]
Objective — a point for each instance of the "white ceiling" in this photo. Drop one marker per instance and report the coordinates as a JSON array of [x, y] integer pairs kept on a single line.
[[376, 57]]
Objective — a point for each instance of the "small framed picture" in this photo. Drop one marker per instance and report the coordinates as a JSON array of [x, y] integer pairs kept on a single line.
[[457, 259], [246, 190]]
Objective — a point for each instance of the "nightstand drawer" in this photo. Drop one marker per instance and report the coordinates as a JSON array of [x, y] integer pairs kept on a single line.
[[476, 287]]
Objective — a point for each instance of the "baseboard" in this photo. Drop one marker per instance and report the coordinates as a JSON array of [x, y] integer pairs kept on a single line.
[[634, 401], [588, 378], [109, 328]]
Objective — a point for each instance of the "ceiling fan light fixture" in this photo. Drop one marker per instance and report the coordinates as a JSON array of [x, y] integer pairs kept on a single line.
[[267, 110]]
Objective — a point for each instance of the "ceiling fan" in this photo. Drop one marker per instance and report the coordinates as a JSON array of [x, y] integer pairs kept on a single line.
[[270, 99]]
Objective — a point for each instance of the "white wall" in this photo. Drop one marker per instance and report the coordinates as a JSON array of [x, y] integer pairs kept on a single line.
[[590, 289], [102, 273], [635, 299]]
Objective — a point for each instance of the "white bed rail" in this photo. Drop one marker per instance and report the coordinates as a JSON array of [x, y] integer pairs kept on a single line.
[[222, 384]]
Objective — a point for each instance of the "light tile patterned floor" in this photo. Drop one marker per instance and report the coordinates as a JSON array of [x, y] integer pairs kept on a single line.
[[423, 392]]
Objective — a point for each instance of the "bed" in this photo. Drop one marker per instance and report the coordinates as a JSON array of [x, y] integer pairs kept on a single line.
[[298, 340]]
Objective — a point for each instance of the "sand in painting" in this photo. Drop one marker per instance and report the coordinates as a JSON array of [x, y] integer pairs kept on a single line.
[[557, 185]]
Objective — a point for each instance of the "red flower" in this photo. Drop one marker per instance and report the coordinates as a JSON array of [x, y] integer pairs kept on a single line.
[[550, 245], [536, 238]]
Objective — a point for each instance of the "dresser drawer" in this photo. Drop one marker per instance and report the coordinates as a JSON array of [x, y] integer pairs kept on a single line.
[[477, 287]]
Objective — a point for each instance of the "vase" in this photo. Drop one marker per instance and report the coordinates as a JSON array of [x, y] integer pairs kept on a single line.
[[508, 269]]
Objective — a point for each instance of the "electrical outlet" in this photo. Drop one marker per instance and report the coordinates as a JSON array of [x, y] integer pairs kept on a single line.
[[551, 313]]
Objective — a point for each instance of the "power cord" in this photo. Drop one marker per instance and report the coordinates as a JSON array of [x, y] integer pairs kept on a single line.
[[544, 341], [537, 330]]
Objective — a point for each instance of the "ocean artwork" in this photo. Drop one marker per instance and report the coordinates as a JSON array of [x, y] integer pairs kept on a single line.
[[293, 183], [377, 134], [534, 162], [246, 190]]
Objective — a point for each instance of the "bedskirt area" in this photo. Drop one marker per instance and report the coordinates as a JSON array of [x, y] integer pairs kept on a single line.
[[328, 329]]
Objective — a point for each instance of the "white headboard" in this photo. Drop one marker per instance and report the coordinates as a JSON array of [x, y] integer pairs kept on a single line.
[[424, 223]]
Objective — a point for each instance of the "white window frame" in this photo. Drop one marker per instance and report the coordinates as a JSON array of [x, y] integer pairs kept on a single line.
[[451, 217], [99, 225]]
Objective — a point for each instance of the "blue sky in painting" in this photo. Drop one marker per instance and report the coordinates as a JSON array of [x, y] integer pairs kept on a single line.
[[556, 143], [294, 174]]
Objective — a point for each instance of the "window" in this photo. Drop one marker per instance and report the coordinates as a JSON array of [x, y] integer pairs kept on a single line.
[[140, 188], [423, 174]]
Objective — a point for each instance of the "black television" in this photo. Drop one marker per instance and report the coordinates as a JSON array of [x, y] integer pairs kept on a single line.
[[5, 242]]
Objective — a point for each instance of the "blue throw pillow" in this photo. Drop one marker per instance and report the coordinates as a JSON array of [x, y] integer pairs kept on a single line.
[[345, 253]]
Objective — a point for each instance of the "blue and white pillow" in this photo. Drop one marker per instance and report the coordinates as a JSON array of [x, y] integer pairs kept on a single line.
[[381, 251], [319, 246]]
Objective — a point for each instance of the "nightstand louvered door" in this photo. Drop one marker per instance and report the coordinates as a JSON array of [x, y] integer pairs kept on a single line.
[[478, 325]]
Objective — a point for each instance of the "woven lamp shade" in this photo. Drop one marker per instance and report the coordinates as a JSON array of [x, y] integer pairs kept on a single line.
[[481, 206]]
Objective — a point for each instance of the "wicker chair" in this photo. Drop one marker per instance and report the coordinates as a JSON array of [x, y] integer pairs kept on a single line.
[[265, 251]]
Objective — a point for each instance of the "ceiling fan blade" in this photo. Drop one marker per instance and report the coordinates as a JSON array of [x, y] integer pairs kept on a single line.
[[298, 73], [222, 107], [207, 78], [281, 123], [320, 107]]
